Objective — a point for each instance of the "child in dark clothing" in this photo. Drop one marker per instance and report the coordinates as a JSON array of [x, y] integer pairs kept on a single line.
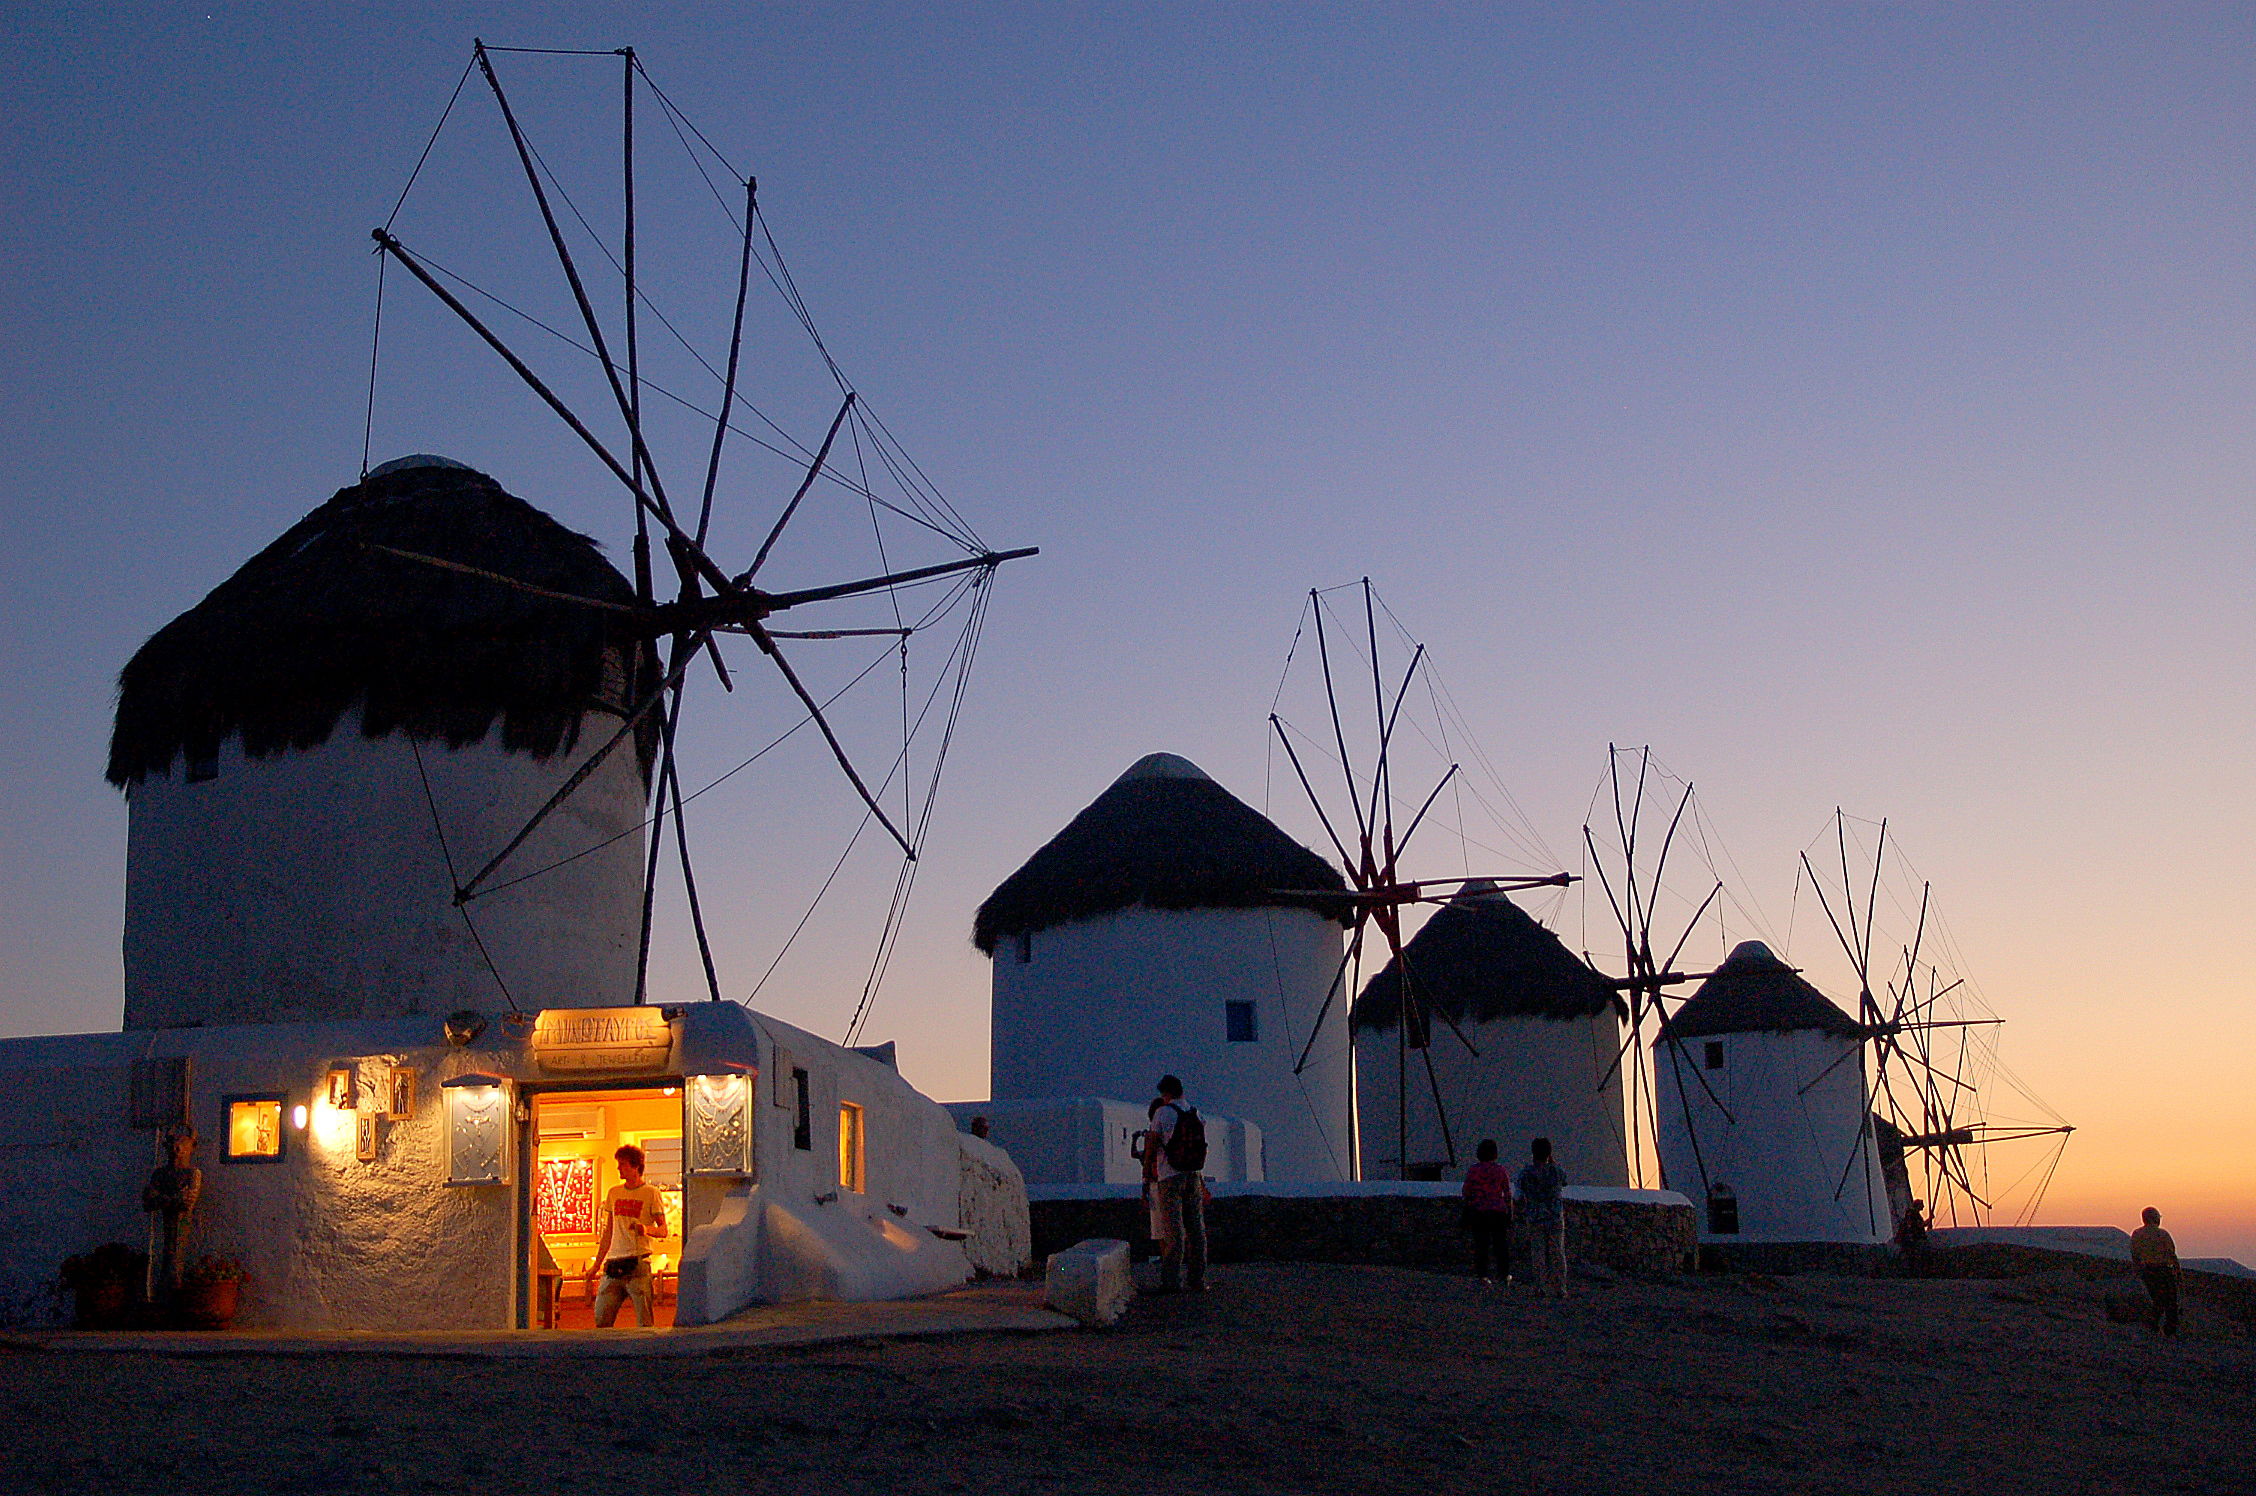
[[1488, 1210]]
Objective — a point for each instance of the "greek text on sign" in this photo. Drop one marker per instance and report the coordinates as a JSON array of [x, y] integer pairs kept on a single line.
[[584, 1040]]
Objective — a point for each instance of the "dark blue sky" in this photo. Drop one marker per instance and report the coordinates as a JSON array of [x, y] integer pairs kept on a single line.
[[1853, 402]]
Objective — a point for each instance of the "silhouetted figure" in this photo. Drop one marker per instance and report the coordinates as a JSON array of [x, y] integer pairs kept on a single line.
[[979, 1127], [1911, 1239], [2156, 1258], [1488, 1211], [1543, 1205], [170, 1199]]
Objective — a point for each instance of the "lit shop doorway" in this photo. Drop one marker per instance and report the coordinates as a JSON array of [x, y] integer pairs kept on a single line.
[[576, 1134]]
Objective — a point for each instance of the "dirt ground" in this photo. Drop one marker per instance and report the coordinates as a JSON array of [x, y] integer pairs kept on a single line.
[[1285, 1378]]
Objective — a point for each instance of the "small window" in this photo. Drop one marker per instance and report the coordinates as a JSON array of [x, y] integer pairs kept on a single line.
[[254, 1128], [1723, 1211], [851, 1157], [1024, 946], [802, 1116], [1240, 1024], [157, 1092], [1715, 1056], [200, 768]]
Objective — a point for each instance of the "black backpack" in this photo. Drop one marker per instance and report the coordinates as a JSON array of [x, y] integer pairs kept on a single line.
[[1186, 1145]]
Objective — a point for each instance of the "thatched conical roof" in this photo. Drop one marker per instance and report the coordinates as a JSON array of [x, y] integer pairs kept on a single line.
[[318, 623], [1754, 992], [1482, 957], [1164, 836]]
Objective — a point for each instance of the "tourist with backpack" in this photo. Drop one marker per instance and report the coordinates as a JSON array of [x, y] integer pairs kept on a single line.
[[1175, 1175], [1543, 1205]]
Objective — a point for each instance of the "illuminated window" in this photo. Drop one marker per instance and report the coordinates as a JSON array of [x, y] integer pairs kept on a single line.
[[254, 1128], [850, 1152], [1240, 1025]]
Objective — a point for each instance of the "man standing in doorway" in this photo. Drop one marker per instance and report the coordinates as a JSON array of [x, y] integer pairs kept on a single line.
[[634, 1215], [1174, 1167], [1543, 1206]]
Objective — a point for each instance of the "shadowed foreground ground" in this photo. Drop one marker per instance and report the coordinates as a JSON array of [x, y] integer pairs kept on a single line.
[[1287, 1378]]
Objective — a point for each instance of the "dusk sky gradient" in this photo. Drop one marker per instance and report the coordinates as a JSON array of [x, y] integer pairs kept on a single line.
[[1854, 403]]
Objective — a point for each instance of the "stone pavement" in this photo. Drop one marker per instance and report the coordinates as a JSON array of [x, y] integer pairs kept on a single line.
[[984, 1309]]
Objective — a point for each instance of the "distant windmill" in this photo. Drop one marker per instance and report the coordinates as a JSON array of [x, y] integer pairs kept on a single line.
[[710, 601], [1929, 1045], [1653, 817], [1357, 809]]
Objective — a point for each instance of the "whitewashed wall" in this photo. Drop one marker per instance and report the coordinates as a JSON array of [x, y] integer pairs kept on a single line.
[[1105, 1006], [795, 1233], [332, 1241], [311, 885], [1533, 1078], [1087, 1139], [1802, 1164]]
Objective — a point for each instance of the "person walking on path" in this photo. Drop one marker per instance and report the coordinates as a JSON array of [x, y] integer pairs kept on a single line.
[[1488, 1212], [1543, 1205], [1174, 1172], [2156, 1258]]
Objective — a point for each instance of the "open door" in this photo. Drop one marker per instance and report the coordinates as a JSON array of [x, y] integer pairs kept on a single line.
[[577, 1135]]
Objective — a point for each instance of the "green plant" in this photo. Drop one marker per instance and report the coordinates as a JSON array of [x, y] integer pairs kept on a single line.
[[213, 1269]]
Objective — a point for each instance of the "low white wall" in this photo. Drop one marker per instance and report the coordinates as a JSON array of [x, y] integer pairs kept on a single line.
[[991, 1207], [1087, 1139]]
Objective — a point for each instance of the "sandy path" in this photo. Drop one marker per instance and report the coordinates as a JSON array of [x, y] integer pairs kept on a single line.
[[1287, 1378]]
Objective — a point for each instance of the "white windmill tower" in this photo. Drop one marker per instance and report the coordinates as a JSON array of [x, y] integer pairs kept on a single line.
[[1543, 1031], [1760, 1095], [1171, 927], [291, 746]]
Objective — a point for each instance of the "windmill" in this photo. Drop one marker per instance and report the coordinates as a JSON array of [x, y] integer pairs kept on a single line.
[[1933, 1049], [703, 603], [1636, 824], [1357, 808]]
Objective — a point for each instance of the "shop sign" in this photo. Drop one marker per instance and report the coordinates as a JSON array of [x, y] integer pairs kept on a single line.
[[602, 1041]]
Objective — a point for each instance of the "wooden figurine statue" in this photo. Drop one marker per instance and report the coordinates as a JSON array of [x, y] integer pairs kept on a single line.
[[170, 1199]]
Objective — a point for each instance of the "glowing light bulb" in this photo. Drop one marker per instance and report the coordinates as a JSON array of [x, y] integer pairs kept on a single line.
[[298, 1117]]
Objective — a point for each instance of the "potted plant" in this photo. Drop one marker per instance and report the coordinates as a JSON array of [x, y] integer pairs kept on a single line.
[[103, 1285], [210, 1292]]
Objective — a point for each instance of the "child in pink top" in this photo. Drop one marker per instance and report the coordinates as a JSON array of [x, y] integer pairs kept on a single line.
[[1488, 1211]]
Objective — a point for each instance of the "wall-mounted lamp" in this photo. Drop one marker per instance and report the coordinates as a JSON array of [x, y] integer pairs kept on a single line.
[[298, 1116]]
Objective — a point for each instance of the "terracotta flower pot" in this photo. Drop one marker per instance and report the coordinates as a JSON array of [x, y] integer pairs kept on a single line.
[[208, 1306], [102, 1303]]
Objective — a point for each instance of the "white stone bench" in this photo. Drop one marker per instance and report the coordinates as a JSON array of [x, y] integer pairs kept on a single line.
[[1089, 1281]]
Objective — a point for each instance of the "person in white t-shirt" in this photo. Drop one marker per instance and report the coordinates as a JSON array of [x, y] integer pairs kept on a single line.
[[634, 1215], [1174, 1161]]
